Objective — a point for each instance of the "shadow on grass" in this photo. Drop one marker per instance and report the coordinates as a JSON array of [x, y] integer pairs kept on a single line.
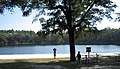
[[52, 64], [33, 65]]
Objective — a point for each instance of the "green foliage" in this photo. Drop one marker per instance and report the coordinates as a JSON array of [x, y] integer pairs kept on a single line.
[[118, 17], [61, 10], [64, 15], [8, 37], [11, 37], [106, 36]]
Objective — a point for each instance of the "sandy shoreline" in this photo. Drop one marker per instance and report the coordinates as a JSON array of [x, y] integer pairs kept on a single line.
[[33, 56]]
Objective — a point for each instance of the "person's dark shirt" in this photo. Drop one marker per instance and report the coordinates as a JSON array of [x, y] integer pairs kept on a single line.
[[78, 56], [54, 50]]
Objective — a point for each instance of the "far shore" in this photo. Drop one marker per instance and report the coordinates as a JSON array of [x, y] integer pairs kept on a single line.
[[8, 45]]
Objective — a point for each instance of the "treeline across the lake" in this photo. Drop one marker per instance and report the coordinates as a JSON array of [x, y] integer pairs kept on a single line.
[[17, 37], [106, 36]]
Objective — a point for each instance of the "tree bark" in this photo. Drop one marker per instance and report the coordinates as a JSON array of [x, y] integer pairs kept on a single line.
[[72, 45], [71, 32]]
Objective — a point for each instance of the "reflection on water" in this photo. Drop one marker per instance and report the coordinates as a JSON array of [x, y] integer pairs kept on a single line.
[[61, 49]]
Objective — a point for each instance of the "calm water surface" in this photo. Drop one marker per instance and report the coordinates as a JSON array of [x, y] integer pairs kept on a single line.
[[61, 49]]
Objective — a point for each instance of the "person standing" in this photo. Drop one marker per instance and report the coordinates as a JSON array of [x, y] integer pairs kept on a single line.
[[54, 51], [78, 57]]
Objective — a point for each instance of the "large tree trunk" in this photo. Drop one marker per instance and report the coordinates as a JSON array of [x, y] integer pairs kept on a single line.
[[71, 33], [72, 45]]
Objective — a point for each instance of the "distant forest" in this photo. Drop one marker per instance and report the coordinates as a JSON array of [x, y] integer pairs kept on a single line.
[[106, 36]]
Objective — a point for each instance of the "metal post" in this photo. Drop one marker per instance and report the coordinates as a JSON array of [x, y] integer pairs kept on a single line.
[[88, 54]]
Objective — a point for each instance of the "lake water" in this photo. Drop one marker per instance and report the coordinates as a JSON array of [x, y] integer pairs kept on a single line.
[[61, 49]]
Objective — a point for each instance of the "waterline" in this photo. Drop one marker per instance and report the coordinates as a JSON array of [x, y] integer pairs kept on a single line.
[[36, 56]]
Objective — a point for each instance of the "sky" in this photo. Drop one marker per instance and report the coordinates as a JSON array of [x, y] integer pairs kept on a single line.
[[112, 24], [17, 22]]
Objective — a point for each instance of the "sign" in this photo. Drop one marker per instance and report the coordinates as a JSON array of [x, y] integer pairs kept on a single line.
[[88, 49]]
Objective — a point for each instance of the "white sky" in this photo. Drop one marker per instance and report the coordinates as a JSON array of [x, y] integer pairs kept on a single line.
[[17, 22], [106, 23]]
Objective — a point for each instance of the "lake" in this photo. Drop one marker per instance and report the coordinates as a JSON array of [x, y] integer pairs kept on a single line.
[[61, 49]]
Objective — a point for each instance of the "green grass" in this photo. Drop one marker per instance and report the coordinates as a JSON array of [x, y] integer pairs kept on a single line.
[[63, 62]]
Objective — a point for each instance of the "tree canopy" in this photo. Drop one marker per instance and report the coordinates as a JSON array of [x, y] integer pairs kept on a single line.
[[64, 15], [59, 9]]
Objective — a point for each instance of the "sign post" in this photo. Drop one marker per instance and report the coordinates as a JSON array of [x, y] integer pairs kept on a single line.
[[88, 49]]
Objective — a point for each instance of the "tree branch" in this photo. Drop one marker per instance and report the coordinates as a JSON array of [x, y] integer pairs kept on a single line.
[[65, 4], [84, 15], [59, 7], [50, 4]]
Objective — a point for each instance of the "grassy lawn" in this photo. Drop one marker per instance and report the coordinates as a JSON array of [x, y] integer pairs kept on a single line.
[[59, 63]]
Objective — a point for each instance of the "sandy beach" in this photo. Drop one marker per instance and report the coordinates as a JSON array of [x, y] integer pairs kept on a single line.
[[53, 64], [33, 56]]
